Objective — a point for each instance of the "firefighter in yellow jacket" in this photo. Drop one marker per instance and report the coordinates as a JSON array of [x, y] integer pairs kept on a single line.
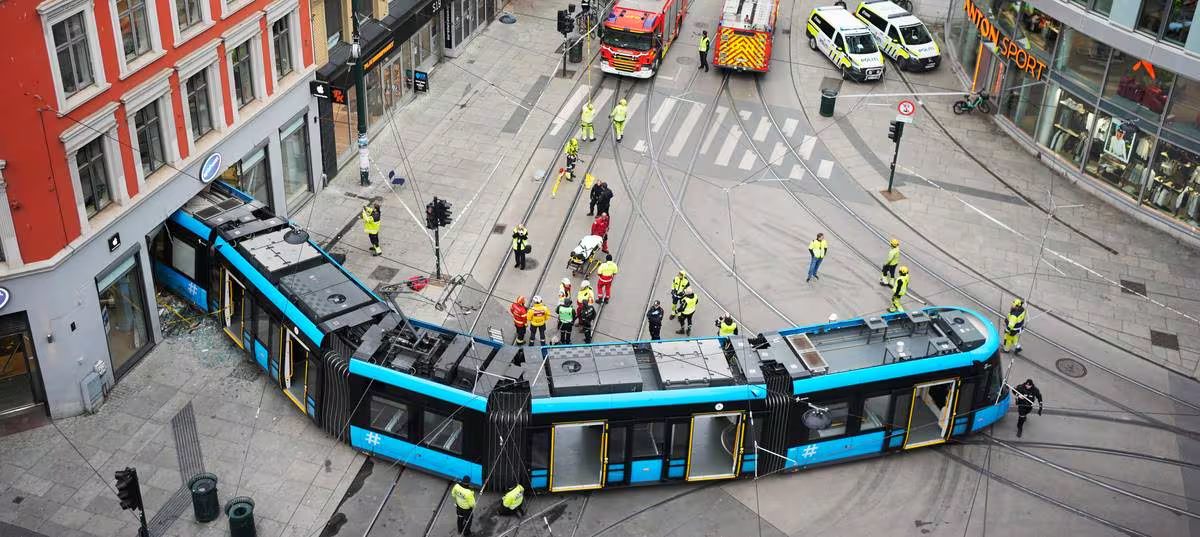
[[889, 265], [619, 114], [371, 215], [587, 117], [899, 289]]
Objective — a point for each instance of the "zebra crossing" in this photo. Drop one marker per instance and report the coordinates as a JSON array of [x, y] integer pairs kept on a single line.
[[677, 124]]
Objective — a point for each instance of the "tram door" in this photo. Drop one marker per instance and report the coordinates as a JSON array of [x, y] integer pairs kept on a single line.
[[295, 369], [578, 455], [233, 306], [715, 446], [930, 413]]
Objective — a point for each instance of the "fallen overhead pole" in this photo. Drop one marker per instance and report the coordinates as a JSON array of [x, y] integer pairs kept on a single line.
[[931, 94]]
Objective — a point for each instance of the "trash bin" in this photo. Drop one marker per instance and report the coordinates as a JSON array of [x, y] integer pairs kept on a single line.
[[204, 497], [241, 517], [576, 53], [828, 99]]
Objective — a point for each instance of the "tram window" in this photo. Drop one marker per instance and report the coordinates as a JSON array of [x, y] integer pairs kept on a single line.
[[262, 325], [312, 376], [389, 416], [995, 378], [837, 427], [901, 410], [679, 440], [874, 412], [442, 432], [539, 449], [649, 439], [616, 445], [966, 396]]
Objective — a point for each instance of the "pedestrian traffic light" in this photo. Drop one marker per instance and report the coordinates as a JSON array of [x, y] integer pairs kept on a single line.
[[441, 211], [128, 490], [430, 218], [895, 131], [584, 6], [565, 24]]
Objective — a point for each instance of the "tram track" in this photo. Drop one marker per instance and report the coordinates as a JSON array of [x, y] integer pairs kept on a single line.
[[1031, 444]]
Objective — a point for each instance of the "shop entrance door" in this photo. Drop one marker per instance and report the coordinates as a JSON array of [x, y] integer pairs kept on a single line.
[[20, 382]]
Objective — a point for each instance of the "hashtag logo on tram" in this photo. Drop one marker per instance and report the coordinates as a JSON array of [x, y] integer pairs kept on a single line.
[[373, 439], [810, 451]]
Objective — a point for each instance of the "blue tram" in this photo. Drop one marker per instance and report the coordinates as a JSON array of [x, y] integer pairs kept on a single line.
[[573, 417]]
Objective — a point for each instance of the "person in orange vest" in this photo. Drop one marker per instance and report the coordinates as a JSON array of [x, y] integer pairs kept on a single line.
[[564, 289], [519, 312], [600, 229], [537, 316], [606, 272]]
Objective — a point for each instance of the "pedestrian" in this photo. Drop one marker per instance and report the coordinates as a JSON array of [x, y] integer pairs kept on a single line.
[[564, 289], [587, 316], [520, 315], [685, 309], [600, 229], [817, 249], [606, 272], [585, 293], [572, 148], [520, 245], [606, 196], [1013, 326], [464, 503], [537, 317], [513, 501], [899, 289], [586, 118], [594, 196], [726, 326], [371, 216], [566, 321], [704, 42], [619, 114], [654, 319], [889, 265], [678, 286], [1025, 394]]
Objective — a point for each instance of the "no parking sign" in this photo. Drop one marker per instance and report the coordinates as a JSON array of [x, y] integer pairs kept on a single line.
[[906, 109]]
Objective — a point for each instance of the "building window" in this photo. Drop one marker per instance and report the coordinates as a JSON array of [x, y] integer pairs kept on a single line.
[[251, 175], [1082, 59], [1151, 18], [148, 125], [1066, 135], [1040, 30], [199, 104], [1179, 22], [243, 74], [297, 183], [123, 312], [1104, 7], [1184, 114], [135, 28], [93, 176], [1138, 85], [74, 55], [1120, 153], [281, 37], [1175, 182], [188, 13]]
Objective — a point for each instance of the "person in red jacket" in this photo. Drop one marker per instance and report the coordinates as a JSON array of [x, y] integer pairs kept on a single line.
[[519, 311], [600, 229]]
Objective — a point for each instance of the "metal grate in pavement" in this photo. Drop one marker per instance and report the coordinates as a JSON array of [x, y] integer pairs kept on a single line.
[[1130, 287], [187, 443], [169, 512], [499, 229], [384, 273], [1165, 340]]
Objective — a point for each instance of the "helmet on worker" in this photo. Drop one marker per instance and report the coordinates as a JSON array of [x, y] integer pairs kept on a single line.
[[895, 243], [683, 273], [1018, 303], [537, 299], [585, 283], [689, 291], [903, 269], [566, 281], [623, 102]]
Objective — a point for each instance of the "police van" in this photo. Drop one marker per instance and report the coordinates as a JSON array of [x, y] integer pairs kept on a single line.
[[901, 36], [846, 41]]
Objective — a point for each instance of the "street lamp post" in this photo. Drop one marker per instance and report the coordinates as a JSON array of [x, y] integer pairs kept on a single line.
[[360, 92]]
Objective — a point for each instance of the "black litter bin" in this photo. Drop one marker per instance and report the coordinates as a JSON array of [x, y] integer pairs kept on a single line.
[[576, 53], [241, 517], [204, 497], [828, 99]]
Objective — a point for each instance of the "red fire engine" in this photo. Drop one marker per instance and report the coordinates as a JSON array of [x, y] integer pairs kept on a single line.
[[637, 33]]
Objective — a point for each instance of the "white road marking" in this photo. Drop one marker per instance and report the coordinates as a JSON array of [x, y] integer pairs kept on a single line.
[[760, 132], [640, 146], [806, 147], [748, 160], [789, 127], [745, 115], [825, 169], [685, 130], [712, 132], [777, 154], [660, 116], [797, 172], [731, 142], [634, 103], [569, 110]]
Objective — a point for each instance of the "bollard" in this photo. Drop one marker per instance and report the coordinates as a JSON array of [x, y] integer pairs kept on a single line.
[[576, 52], [241, 517], [205, 504], [828, 99]]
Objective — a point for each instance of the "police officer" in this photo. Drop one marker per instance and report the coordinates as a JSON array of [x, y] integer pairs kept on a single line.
[[566, 320], [594, 196], [606, 272], [704, 42], [520, 315], [678, 286], [520, 245], [889, 265], [513, 501], [685, 309], [817, 250], [586, 118], [1026, 393], [464, 503], [537, 316], [619, 114], [587, 316], [899, 289], [1013, 326], [654, 319], [726, 326], [371, 216], [605, 197]]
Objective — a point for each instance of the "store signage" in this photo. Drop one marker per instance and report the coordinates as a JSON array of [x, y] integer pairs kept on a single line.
[[447, 27], [420, 81], [114, 242], [319, 89], [210, 168], [339, 95], [4, 296], [379, 55], [1005, 47]]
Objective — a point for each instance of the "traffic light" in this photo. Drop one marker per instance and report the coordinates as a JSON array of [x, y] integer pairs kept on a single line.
[[895, 131], [584, 6], [441, 211], [565, 22], [128, 490], [430, 218]]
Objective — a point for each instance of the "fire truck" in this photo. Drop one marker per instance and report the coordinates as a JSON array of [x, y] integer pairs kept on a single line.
[[745, 35], [637, 33]]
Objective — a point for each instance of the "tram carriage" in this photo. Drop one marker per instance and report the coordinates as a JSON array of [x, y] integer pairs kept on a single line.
[[745, 35], [572, 417]]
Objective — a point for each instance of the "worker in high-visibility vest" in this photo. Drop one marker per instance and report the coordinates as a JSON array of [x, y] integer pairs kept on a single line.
[[586, 119], [679, 285], [704, 43], [899, 289], [464, 504], [606, 272], [619, 114], [513, 501], [520, 318], [572, 148], [685, 309], [890, 264], [371, 215], [566, 321], [726, 326], [520, 245], [1013, 326], [585, 294], [538, 315]]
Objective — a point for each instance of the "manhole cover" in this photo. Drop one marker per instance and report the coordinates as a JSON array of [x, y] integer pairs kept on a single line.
[[1071, 368], [507, 18], [1133, 288], [685, 60], [571, 366], [1165, 340]]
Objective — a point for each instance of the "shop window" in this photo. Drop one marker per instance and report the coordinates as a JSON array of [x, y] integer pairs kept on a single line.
[[1120, 153], [1041, 30], [1184, 114], [293, 144], [1151, 18], [1070, 119], [1138, 85], [389, 416], [123, 312], [1082, 59], [874, 412], [251, 175], [1179, 22], [345, 123], [1102, 6], [648, 439], [1021, 101], [837, 425], [1005, 13], [374, 97], [443, 432], [1174, 188]]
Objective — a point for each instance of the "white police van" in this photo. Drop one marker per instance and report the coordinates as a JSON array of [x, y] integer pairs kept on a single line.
[[901, 36], [846, 41]]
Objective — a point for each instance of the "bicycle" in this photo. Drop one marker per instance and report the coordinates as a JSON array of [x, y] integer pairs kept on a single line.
[[971, 102]]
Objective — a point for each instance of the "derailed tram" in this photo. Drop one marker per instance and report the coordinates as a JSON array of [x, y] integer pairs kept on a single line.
[[572, 417]]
